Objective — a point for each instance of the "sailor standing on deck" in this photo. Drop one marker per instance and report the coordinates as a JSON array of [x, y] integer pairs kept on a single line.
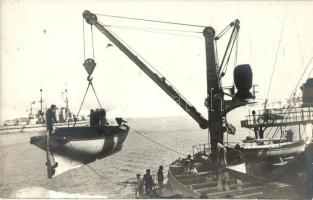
[[147, 178], [222, 174], [50, 118], [139, 188], [160, 177]]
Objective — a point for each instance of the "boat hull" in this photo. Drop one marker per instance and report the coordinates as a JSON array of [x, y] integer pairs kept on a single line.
[[73, 147], [275, 150]]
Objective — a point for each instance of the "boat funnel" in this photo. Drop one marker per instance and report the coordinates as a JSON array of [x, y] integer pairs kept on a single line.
[[307, 92], [243, 82]]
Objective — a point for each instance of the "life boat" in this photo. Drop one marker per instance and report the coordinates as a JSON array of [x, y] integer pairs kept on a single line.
[[71, 147]]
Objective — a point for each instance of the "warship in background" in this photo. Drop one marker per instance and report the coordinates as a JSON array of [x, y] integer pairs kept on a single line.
[[37, 119]]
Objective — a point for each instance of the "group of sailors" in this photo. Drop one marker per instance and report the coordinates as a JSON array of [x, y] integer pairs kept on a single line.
[[97, 118], [146, 185], [222, 174]]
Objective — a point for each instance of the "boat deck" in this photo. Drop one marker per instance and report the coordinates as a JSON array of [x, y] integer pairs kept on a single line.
[[204, 184]]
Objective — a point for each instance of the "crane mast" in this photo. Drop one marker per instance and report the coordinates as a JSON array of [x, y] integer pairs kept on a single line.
[[160, 81]]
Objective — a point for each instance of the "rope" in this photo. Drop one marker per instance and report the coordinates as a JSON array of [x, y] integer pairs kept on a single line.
[[82, 103], [223, 32], [154, 29], [278, 47], [160, 31], [234, 39], [150, 20], [142, 134], [95, 94], [93, 50], [84, 43], [103, 177], [230, 45], [139, 56], [294, 92], [100, 175]]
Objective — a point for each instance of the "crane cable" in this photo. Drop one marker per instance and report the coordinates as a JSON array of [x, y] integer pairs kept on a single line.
[[141, 57], [162, 145], [276, 56], [151, 20], [159, 31], [89, 78], [152, 29]]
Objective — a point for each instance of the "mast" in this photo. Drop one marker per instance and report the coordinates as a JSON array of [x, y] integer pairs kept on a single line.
[[66, 101], [215, 98], [160, 81], [41, 101]]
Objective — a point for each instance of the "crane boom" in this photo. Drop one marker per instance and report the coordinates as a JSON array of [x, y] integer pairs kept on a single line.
[[160, 81]]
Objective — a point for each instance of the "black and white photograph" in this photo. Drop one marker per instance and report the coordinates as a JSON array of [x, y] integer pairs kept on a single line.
[[177, 99]]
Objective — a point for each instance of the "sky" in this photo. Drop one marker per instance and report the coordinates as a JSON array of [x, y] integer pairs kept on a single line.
[[42, 46]]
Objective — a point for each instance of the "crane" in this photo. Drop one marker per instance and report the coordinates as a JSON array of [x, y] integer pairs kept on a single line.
[[160, 81], [217, 107]]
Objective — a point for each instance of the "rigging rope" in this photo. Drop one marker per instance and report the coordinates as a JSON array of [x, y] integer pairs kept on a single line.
[[223, 32], [150, 20], [95, 94], [278, 47], [293, 93], [84, 43], [142, 134], [154, 29], [82, 103], [234, 38], [103, 177], [141, 57], [160, 31], [93, 49]]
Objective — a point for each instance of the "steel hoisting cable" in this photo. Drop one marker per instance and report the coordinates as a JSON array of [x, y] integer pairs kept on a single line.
[[150, 20], [82, 102], [223, 32], [93, 48], [278, 47], [84, 43], [230, 52], [159, 31], [95, 94], [142, 134], [230, 46], [139, 56], [103, 177], [152, 29]]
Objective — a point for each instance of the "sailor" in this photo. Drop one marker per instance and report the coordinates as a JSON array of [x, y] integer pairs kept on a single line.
[[289, 135], [188, 165], [92, 118], [102, 118], [50, 118], [222, 174], [147, 178], [139, 188], [160, 177], [120, 121]]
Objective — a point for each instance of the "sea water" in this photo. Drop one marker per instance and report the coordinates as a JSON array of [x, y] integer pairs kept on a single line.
[[23, 172]]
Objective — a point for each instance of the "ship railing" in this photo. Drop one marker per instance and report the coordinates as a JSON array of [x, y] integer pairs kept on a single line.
[[280, 116], [270, 142], [201, 148]]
